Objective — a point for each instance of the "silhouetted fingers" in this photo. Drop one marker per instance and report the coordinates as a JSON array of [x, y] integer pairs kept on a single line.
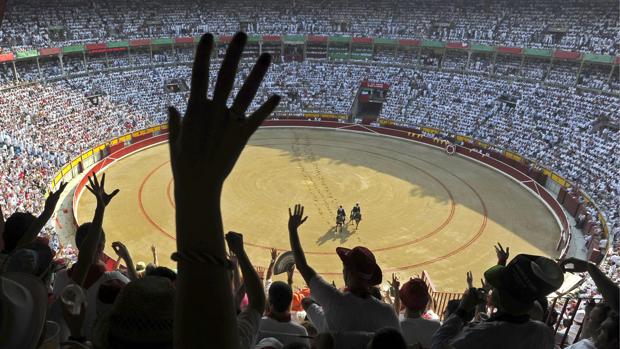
[[61, 188], [258, 116], [90, 181], [252, 83], [116, 191], [174, 126], [226, 76], [200, 70], [96, 181]]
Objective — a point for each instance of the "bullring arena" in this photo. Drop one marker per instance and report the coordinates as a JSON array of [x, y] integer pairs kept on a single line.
[[423, 209]]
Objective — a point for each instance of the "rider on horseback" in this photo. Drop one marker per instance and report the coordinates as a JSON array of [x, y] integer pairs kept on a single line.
[[356, 211], [340, 213]]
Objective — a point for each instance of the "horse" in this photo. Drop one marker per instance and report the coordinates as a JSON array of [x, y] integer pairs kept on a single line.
[[355, 216], [340, 219]]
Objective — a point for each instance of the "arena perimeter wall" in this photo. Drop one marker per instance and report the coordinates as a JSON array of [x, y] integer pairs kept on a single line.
[[105, 154]]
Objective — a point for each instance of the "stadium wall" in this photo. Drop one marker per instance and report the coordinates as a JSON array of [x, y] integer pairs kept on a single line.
[[106, 154]]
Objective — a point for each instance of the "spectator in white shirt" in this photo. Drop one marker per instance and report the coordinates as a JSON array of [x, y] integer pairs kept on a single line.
[[355, 309], [277, 323], [416, 329]]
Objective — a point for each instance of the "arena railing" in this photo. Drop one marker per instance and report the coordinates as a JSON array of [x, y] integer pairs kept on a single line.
[[440, 299]]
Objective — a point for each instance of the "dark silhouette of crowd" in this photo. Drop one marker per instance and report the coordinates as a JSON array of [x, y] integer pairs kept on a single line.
[[216, 299]]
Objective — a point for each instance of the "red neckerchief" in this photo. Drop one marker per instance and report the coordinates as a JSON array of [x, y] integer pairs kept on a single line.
[[286, 317]]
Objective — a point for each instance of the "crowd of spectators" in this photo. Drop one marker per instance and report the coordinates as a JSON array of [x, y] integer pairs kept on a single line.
[[218, 297], [573, 25], [563, 129], [44, 124]]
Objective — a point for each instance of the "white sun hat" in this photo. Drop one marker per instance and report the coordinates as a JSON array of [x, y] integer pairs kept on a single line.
[[23, 307]]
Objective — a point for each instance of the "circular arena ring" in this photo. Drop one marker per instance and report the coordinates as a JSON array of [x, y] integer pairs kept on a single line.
[[423, 209]]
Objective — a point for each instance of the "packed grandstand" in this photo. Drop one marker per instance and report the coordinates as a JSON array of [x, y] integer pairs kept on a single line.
[[538, 78]]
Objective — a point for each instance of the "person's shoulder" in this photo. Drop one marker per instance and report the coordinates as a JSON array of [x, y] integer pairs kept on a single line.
[[381, 304], [383, 308], [249, 313], [297, 325], [535, 324], [115, 275], [421, 321]]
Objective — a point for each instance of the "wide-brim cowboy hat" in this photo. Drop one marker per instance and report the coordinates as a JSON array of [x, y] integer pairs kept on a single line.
[[23, 304], [525, 279], [362, 262], [142, 315]]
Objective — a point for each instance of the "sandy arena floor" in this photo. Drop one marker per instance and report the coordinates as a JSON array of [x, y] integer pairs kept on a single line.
[[422, 209]]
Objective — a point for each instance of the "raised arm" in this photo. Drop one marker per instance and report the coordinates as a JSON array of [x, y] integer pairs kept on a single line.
[[608, 289], [396, 287], [154, 252], [253, 286], [39, 223], [1, 222], [272, 263], [88, 249], [123, 253], [294, 221], [236, 275], [204, 148], [502, 255]]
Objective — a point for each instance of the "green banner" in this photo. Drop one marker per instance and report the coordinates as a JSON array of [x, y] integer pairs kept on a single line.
[[588, 57], [254, 38], [163, 41], [433, 44], [117, 44], [482, 48], [27, 54], [361, 57], [197, 38], [340, 39], [297, 39], [338, 56], [537, 52], [73, 49], [385, 41]]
